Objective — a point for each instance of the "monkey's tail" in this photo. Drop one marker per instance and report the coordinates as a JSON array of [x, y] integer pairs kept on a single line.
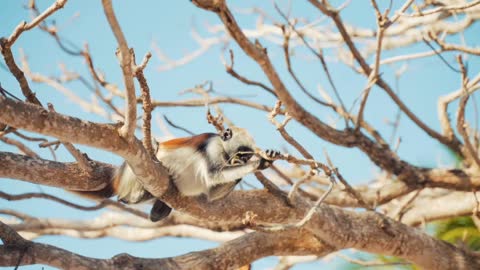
[[110, 190], [125, 186]]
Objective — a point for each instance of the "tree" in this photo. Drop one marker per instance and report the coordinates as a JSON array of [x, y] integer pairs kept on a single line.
[[306, 206]]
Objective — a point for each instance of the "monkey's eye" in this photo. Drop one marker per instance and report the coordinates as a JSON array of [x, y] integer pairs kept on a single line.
[[227, 134]]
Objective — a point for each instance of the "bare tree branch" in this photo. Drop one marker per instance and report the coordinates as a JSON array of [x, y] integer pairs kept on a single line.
[[128, 129], [335, 16], [146, 101], [338, 227], [231, 255], [70, 129], [103, 203], [65, 175]]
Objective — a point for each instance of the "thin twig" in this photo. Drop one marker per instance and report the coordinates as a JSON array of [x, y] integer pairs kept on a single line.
[[81, 158], [461, 125], [453, 47], [444, 101], [17, 73], [231, 71], [334, 15], [128, 128], [370, 263], [177, 126], [281, 128], [146, 101], [373, 76], [110, 87], [451, 8], [401, 209], [250, 216], [438, 53], [319, 55], [24, 26], [286, 53], [22, 147], [307, 177], [215, 100], [101, 204], [347, 186]]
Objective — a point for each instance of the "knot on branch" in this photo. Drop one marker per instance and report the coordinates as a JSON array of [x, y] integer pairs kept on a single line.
[[3, 44], [216, 121], [249, 219]]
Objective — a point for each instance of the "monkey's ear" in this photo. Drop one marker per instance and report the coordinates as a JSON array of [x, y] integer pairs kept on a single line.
[[226, 135]]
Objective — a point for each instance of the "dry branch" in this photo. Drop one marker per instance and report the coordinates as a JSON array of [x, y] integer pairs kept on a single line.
[[310, 226], [146, 101], [379, 154], [64, 175], [36, 119], [128, 129], [335, 16], [103, 203], [230, 255], [327, 222]]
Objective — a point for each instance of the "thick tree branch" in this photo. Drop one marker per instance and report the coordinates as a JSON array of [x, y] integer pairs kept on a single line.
[[326, 9], [70, 129], [230, 255], [379, 154], [327, 228], [340, 228], [51, 173], [429, 209]]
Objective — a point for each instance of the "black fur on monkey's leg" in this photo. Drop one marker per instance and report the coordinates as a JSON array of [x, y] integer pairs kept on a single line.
[[160, 210]]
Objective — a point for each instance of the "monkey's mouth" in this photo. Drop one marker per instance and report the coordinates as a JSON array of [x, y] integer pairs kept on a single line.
[[241, 158], [245, 157]]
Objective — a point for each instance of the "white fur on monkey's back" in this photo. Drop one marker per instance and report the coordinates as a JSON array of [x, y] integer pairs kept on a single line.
[[196, 164]]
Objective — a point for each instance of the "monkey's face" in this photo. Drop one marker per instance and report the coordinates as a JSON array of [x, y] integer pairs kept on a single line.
[[238, 145]]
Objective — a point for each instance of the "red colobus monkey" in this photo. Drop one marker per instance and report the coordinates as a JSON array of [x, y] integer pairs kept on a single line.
[[208, 163]]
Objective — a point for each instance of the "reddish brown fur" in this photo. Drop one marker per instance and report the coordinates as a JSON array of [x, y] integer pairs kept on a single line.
[[111, 189], [193, 141]]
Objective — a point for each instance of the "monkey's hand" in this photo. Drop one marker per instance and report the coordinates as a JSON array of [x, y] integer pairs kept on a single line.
[[267, 159]]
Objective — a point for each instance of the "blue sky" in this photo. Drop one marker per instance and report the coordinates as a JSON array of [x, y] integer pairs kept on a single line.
[[169, 25]]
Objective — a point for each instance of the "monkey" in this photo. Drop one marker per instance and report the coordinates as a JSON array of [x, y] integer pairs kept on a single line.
[[209, 163]]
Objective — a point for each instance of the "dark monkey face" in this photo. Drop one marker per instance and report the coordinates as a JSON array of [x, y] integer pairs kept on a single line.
[[243, 155]]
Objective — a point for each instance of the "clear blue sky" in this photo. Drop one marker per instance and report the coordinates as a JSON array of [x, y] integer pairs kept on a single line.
[[170, 26]]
